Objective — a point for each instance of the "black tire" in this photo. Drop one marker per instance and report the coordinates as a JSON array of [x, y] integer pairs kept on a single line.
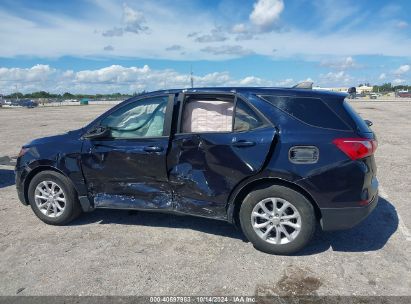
[[72, 208], [297, 200]]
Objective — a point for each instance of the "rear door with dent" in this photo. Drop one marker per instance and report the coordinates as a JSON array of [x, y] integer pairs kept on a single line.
[[220, 140]]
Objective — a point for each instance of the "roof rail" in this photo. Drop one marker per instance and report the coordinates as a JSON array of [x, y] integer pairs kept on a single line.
[[304, 85]]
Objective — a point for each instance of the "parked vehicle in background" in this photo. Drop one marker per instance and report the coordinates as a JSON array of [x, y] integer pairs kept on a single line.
[[273, 161], [373, 96], [403, 94], [27, 103]]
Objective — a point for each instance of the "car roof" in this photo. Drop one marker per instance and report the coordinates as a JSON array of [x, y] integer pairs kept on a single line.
[[241, 90], [252, 90]]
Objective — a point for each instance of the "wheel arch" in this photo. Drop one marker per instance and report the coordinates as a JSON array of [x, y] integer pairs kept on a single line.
[[238, 197], [36, 171]]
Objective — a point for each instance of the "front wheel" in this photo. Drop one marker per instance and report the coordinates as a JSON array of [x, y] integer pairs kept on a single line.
[[277, 219], [53, 198]]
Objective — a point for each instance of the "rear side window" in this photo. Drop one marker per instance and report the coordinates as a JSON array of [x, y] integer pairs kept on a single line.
[[245, 118], [312, 111], [359, 122], [202, 114], [207, 115]]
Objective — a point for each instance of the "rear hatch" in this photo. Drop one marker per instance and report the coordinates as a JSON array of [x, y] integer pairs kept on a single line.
[[363, 131]]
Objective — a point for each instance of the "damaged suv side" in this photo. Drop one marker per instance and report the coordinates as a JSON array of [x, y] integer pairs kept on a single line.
[[273, 161]]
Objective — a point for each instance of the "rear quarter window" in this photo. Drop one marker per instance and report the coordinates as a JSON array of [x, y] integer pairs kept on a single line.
[[312, 111], [245, 118]]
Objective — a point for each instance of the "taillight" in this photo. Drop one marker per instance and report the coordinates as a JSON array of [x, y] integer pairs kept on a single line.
[[356, 148]]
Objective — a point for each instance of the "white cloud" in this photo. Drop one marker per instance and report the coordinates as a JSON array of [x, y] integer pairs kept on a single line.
[[114, 78], [349, 62], [398, 81], [244, 32], [37, 73], [266, 13], [68, 35], [286, 82], [382, 76], [133, 19], [233, 50], [117, 78], [336, 78], [133, 22], [340, 64], [402, 69], [216, 35], [112, 74], [174, 47], [108, 48], [239, 28], [68, 74], [255, 81], [115, 31]]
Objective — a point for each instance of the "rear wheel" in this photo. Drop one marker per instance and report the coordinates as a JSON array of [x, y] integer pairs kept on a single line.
[[53, 198], [277, 219]]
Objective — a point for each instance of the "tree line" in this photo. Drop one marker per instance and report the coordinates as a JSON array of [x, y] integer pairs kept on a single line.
[[388, 87], [67, 95]]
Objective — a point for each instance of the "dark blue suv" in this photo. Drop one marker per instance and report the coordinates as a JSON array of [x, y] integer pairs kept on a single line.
[[273, 161]]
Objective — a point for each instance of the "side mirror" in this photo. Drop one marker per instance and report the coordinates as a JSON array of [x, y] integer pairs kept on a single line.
[[97, 132], [368, 122]]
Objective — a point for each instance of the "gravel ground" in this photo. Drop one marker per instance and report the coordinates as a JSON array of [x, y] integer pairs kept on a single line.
[[110, 252]]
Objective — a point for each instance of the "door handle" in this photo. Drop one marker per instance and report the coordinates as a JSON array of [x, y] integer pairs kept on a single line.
[[243, 143], [153, 149]]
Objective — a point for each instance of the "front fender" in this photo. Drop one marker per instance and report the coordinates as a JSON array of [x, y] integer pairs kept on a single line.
[[49, 155]]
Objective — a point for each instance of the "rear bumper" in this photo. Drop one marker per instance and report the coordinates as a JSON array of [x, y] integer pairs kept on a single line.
[[345, 218]]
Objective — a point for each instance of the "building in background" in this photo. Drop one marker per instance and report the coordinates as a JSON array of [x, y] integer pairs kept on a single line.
[[359, 90]]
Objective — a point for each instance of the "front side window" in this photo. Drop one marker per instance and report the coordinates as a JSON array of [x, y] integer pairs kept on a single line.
[[143, 118]]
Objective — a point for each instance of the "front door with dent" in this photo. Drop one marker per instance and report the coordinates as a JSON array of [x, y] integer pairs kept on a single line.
[[127, 169]]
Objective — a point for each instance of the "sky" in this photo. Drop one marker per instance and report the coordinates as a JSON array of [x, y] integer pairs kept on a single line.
[[106, 46]]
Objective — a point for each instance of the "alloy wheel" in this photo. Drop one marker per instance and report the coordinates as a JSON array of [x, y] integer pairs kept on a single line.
[[276, 221], [50, 199]]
